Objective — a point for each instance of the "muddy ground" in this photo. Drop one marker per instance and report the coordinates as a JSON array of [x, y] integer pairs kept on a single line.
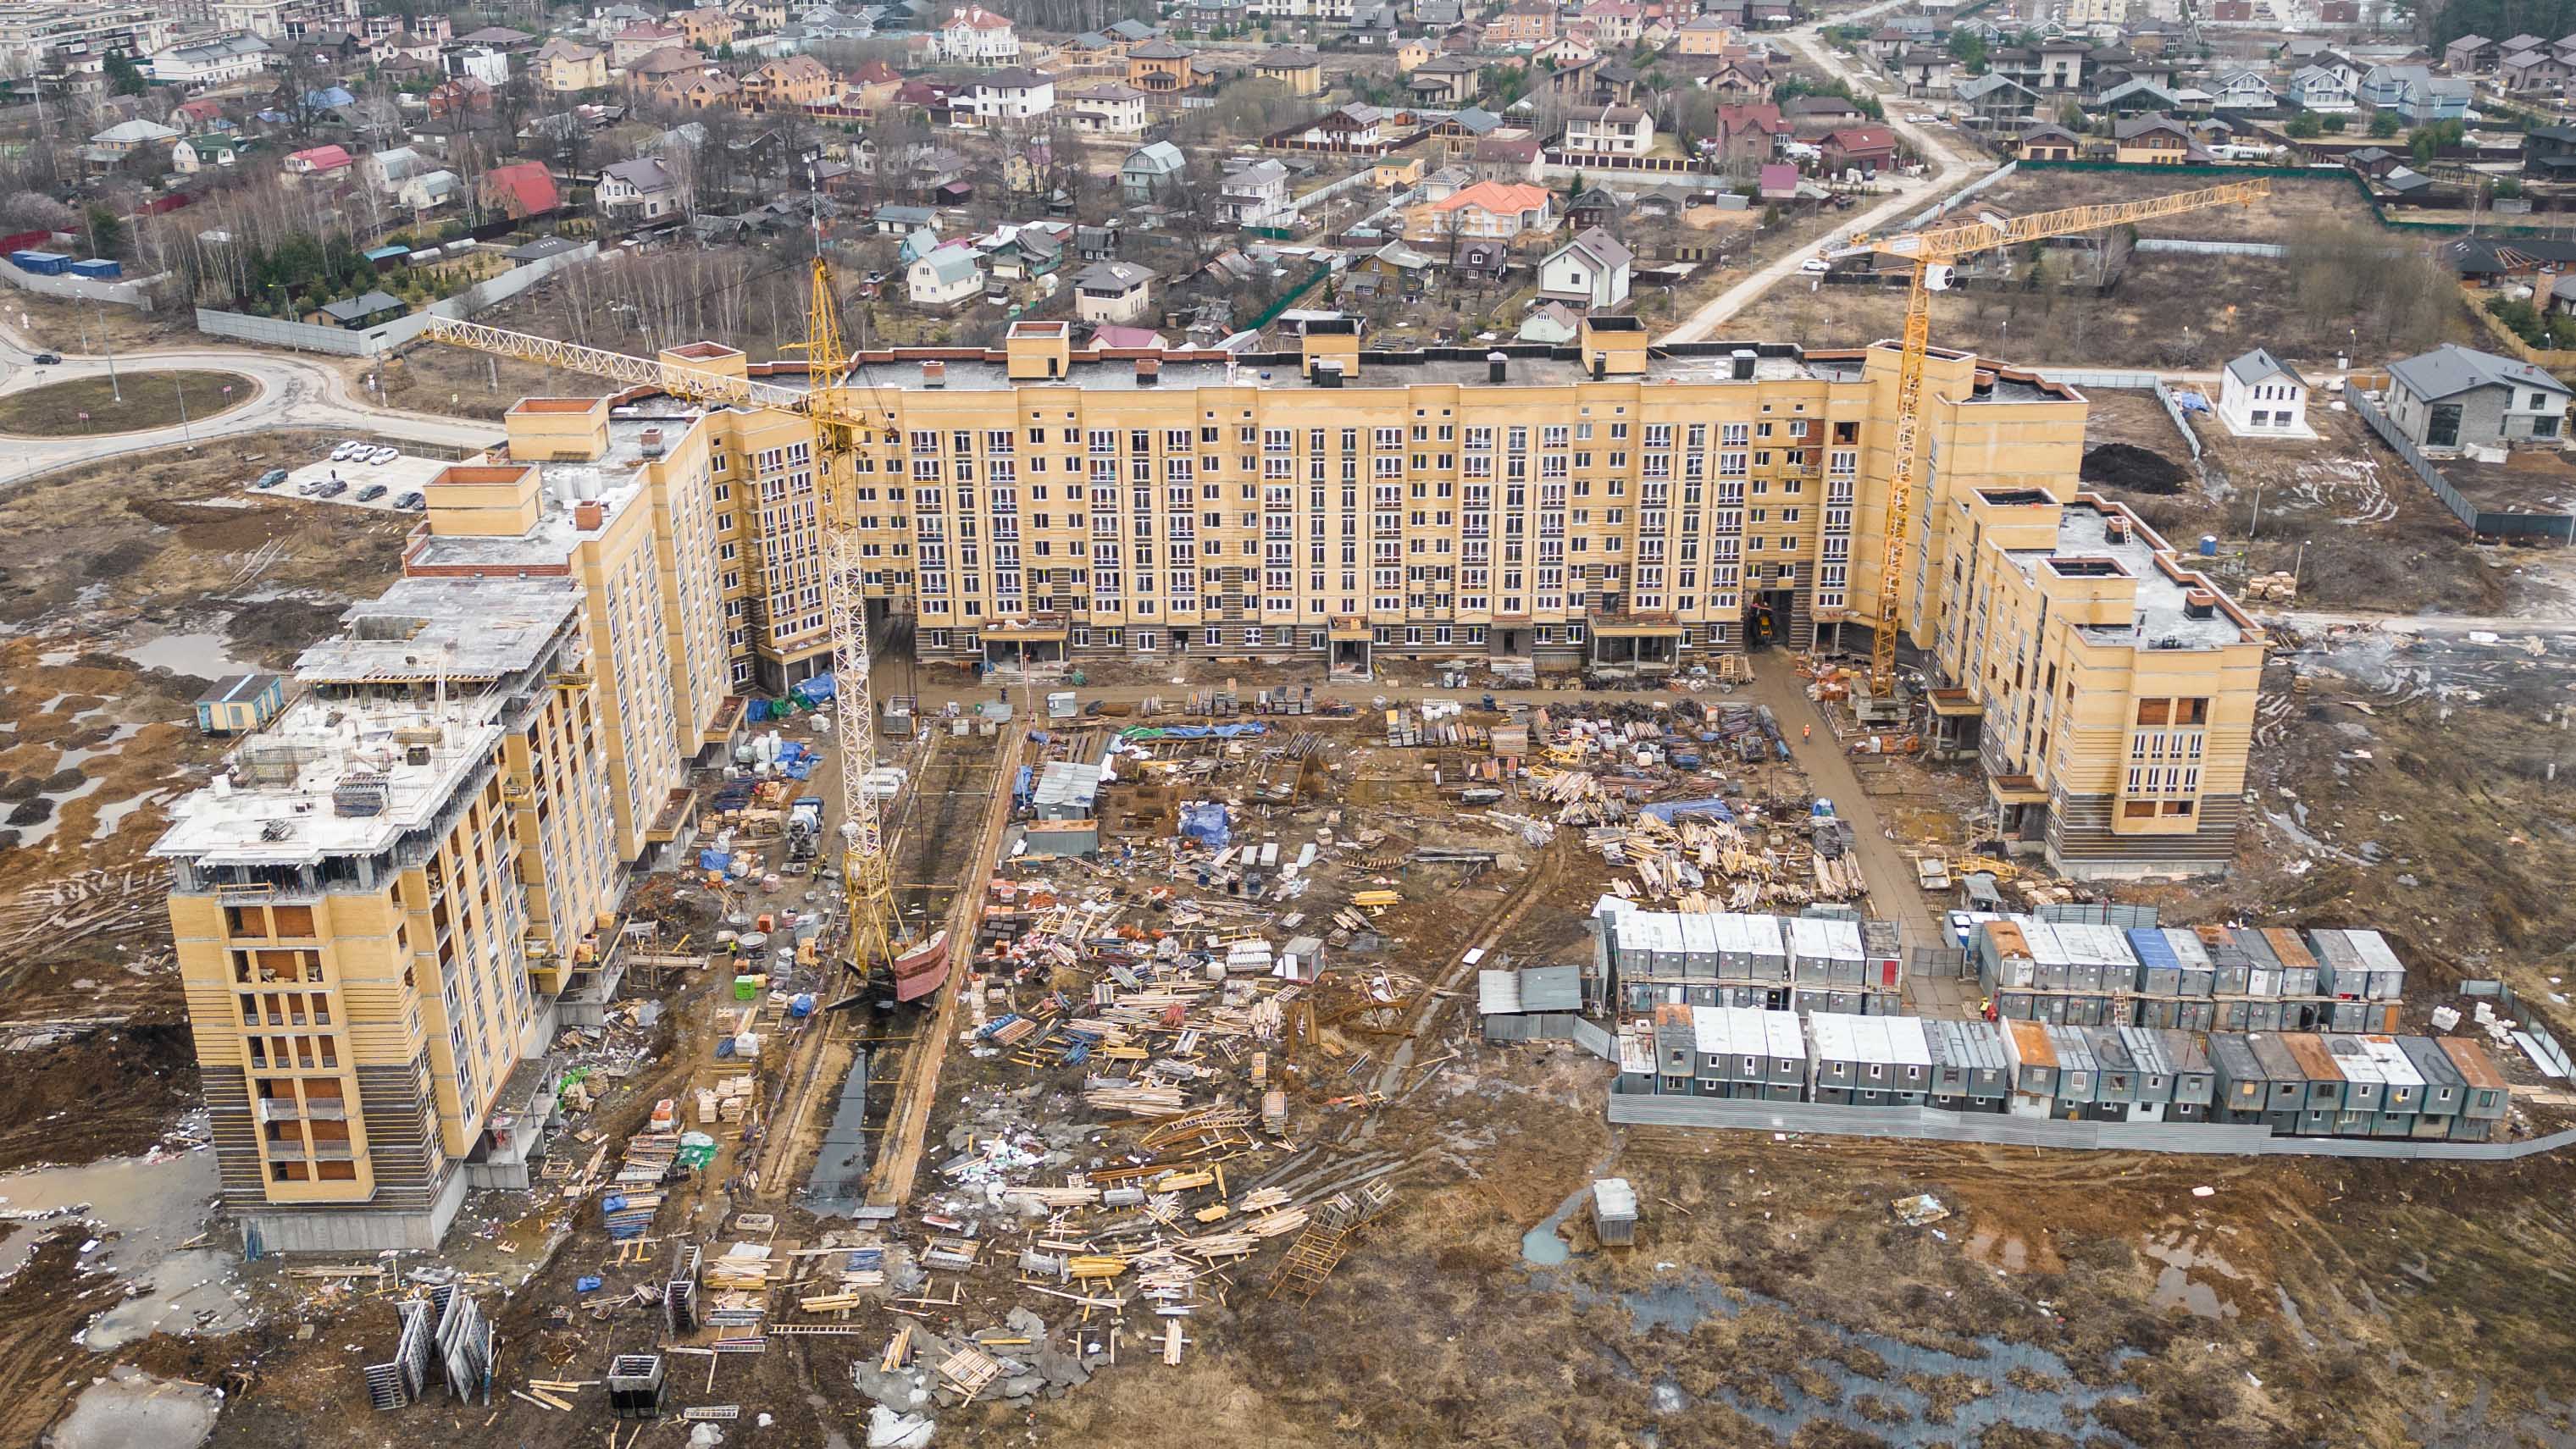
[[124, 590]]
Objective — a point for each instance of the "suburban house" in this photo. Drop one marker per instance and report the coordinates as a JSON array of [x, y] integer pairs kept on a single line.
[[1609, 131], [2315, 88], [431, 190], [1251, 191], [2151, 141], [1448, 80], [2471, 55], [1115, 292], [520, 190], [1160, 68], [1151, 173], [946, 277], [790, 83], [1011, 94], [1923, 71], [219, 60], [2418, 96], [1348, 128], [1591, 271], [1703, 35], [1551, 323], [127, 137], [1522, 25], [319, 162], [1494, 209], [1994, 103], [1104, 108], [2531, 70], [2245, 90], [638, 41], [970, 36], [360, 312], [1866, 149], [644, 189], [2259, 396], [200, 153], [1820, 115], [1301, 71], [564, 66], [2457, 397]]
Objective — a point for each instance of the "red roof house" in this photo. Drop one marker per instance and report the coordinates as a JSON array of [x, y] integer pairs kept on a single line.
[[1865, 148], [521, 190], [319, 161]]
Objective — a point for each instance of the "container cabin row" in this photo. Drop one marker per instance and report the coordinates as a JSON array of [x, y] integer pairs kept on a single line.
[[2207, 978], [1778, 963], [2296, 1084]]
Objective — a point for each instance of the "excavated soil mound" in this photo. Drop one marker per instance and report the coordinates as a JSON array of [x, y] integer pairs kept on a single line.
[[2131, 468]]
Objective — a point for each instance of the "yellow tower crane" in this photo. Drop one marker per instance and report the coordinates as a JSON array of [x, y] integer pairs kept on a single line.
[[842, 419], [1930, 253]]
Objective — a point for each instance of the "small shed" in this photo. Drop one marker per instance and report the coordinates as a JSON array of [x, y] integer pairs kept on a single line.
[[240, 703], [1614, 1212], [99, 269]]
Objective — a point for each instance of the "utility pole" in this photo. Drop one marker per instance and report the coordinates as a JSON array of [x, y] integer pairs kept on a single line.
[[181, 389], [115, 388]]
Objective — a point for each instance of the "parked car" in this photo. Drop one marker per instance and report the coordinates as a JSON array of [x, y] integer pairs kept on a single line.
[[1815, 265], [270, 479], [1923, 118], [411, 503], [48, 359], [333, 489], [371, 493], [344, 452], [383, 455]]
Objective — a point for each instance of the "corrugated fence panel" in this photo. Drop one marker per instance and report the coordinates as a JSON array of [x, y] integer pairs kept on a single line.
[[1927, 1124], [1596, 1040]]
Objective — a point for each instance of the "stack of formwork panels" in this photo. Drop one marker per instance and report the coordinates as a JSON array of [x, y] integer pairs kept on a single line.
[[1970, 1072]]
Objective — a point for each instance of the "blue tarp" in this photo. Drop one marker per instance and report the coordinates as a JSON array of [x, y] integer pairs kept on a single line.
[[1025, 786], [714, 859], [1205, 823], [1671, 809], [815, 690], [2152, 947], [1196, 732]]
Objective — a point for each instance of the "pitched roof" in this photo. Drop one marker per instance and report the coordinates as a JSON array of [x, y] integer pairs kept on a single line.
[[2260, 365], [322, 158], [527, 185], [1604, 249], [2145, 125], [644, 173], [364, 305], [1862, 138], [1113, 276], [950, 264], [1160, 49], [1497, 196], [1778, 178], [2450, 369]]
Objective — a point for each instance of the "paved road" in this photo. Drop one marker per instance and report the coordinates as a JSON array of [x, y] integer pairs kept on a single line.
[[294, 392], [1953, 166]]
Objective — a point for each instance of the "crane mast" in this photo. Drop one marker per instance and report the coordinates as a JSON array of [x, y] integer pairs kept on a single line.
[[841, 422], [1928, 254]]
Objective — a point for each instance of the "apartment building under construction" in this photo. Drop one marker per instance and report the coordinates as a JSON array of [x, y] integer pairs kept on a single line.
[[408, 879]]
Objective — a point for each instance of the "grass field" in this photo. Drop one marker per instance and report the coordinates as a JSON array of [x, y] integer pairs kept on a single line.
[[90, 406]]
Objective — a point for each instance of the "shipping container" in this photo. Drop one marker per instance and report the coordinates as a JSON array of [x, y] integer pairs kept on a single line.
[[2159, 969]]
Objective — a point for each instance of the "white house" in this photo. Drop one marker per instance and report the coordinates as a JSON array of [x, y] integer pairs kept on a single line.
[[2316, 88], [387, 170], [1609, 131], [1011, 94], [1251, 191], [1105, 108], [971, 36], [1116, 292], [944, 278], [1592, 271], [2260, 397], [644, 189], [200, 153], [482, 62], [431, 190], [220, 60]]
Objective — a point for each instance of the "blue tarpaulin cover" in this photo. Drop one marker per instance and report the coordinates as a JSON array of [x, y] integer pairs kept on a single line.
[[1670, 810], [1205, 823], [1195, 732], [815, 690]]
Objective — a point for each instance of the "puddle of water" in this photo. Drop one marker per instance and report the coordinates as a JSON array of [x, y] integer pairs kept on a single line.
[[31, 836], [2298, 1324], [1540, 1246], [2176, 1288], [204, 655], [130, 1407], [140, 1209], [74, 759], [1899, 1413]]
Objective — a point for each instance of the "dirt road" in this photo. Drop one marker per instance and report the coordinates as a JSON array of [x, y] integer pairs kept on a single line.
[[1953, 166]]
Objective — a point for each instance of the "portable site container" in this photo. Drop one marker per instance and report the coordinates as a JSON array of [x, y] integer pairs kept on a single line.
[[2102, 959], [2047, 953], [2176, 1014], [2387, 973], [1825, 952], [2325, 1079], [2034, 1066], [1636, 1063], [1909, 1058], [1970, 1072], [1844, 1000], [1552, 988], [1882, 949], [2079, 1076], [2159, 969], [2339, 968], [1671, 959], [2003, 955], [1715, 1040], [1614, 1212], [2230, 964], [2195, 1084], [2195, 973], [1785, 1062], [1631, 947], [2011, 1005], [2364, 1088], [1498, 1005], [1699, 946], [2243, 1088], [2484, 1100], [1834, 1052], [1768, 946], [1882, 1003], [2117, 1082], [2299, 968], [1676, 1048], [2095, 1010], [1734, 948], [2401, 1081], [2289, 1080], [2152, 1086], [2445, 1090]]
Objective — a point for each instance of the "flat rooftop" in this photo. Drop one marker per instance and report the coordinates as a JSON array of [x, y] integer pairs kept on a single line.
[[614, 480], [1184, 370], [405, 760], [2161, 622], [425, 629]]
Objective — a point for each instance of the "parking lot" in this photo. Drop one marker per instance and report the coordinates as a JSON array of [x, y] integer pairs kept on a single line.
[[399, 475]]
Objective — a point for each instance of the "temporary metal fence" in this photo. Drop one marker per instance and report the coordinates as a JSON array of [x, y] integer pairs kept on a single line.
[[1931, 1124], [2559, 526], [2107, 914]]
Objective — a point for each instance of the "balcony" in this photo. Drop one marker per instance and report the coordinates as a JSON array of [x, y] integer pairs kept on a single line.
[[277, 1109]]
